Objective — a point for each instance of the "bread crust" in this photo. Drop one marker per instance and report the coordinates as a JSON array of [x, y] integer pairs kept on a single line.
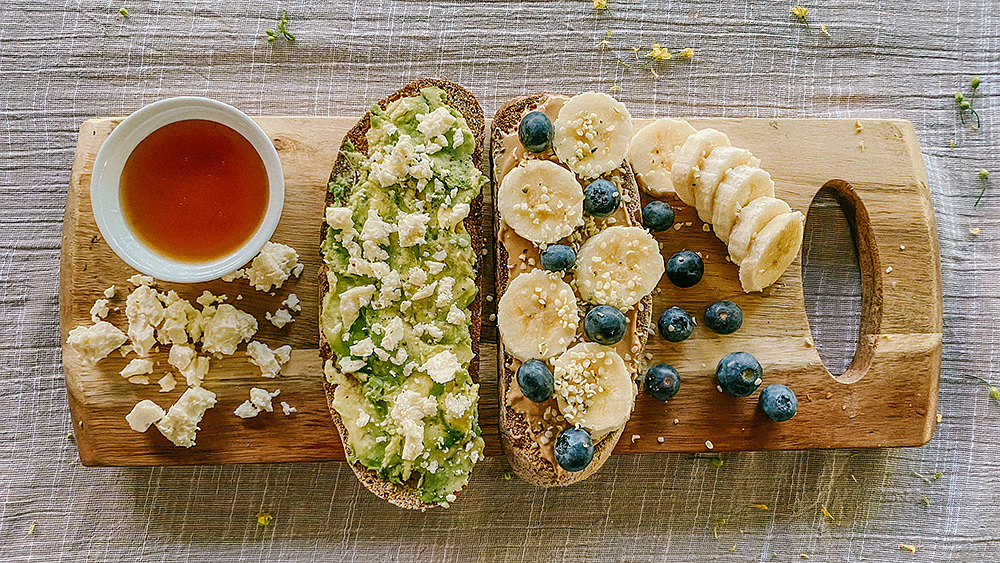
[[407, 495], [521, 449]]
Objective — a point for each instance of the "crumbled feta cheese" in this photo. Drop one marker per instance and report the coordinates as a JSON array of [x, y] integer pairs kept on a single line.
[[95, 342], [140, 280], [457, 405], [449, 217], [99, 310], [167, 383], [429, 329], [435, 124], [416, 276], [177, 317], [424, 291], [181, 422], [280, 318], [444, 291], [363, 348], [233, 276], [246, 410], [412, 228], [262, 399], [143, 415], [109, 292], [435, 268], [269, 361], [287, 409], [408, 412], [376, 230], [226, 328], [192, 367], [339, 218], [292, 302], [393, 333], [352, 300], [348, 365], [139, 380], [455, 315], [272, 266], [442, 366], [144, 312], [207, 299], [137, 366]]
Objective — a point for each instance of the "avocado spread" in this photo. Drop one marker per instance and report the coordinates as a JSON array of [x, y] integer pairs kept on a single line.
[[401, 271]]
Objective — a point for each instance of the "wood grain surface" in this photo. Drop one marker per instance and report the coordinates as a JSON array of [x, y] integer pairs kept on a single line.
[[887, 397]]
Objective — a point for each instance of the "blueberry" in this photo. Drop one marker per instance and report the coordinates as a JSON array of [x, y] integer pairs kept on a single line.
[[536, 381], [558, 257], [662, 381], [601, 198], [604, 325], [685, 268], [724, 317], [657, 216], [675, 324], [778, 402], [573, 449], [535, 131], [738, 374]]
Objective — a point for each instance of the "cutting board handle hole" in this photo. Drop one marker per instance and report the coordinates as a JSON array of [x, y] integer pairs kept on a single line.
[[841, 282]]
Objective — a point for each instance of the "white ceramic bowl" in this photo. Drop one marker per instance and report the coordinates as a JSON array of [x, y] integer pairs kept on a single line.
[[106, 203]]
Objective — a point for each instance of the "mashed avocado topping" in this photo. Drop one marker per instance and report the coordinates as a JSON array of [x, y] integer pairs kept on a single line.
[[400, 266]]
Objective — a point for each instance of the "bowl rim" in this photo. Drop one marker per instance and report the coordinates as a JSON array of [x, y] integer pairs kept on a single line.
[[106, 177]]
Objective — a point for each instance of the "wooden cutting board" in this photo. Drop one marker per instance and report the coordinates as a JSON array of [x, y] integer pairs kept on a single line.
[[888, 396]]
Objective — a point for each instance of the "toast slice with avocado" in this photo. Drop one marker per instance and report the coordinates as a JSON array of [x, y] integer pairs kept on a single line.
[[400, 293], [571, 251]]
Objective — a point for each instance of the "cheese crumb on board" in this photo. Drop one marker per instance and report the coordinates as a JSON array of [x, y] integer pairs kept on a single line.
[[225, 328], [138, 366], [95, 342], [293, 303], [139, 380], [194, 368], [260, 400], [272, 266], [109, 292], [233, 276], [280, 318], [287, 409], [207, 298], [269, 361], [140, 280], [143, 415], [99, 310], [167, 383], [180, 424]]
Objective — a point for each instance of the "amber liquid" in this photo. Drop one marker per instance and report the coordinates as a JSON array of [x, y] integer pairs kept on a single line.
[[194, 190]]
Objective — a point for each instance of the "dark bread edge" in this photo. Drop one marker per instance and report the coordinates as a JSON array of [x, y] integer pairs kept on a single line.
[[407, 495], [523, 453]]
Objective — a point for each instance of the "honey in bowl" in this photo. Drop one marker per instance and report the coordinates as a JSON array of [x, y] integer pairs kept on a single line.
[[194, 190]]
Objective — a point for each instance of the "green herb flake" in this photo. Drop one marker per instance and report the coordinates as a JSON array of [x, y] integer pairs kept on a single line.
[[123, 12], [716, 461]]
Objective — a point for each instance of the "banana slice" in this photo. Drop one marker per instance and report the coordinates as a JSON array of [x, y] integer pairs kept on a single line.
[[690, 158], [772, 250], [740, 186], [718, 163], [594, 388], [541, 201], [652, 154], [592, 134], [751, 220], [537, 316], [618, 266]]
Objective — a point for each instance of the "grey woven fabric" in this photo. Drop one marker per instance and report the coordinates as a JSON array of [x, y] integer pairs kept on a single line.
[[63, 62]]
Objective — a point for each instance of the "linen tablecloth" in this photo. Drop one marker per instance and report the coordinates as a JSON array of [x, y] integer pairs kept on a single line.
[[64, 62]]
